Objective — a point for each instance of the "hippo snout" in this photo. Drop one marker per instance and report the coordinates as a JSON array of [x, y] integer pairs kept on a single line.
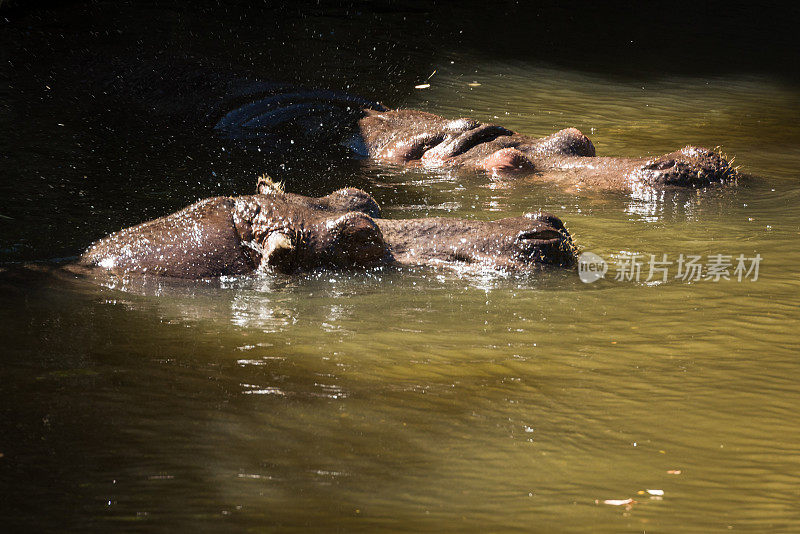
[[691, 166], [546, 240]]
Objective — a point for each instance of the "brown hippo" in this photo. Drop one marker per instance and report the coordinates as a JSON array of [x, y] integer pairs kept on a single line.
[[282, 119], [420, 138], [274, 230]]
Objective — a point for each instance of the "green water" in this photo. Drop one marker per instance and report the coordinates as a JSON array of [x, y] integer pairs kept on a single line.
[[430, 400]]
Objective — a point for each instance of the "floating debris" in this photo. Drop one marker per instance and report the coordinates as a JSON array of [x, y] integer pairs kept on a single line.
[[619, 502], [422, 86], [656, 492], [474, 84], [674, 472]]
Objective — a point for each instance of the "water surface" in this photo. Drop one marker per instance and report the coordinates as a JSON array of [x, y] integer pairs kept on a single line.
[[415, 399]]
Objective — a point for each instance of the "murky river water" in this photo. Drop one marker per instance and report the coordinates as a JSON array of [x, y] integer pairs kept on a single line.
[[416, 399]]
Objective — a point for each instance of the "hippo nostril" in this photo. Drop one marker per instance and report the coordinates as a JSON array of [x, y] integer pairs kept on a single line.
[[547, 234], [660, 165]]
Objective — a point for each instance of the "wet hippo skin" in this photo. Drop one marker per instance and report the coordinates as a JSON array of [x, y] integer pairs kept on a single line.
[[277, 231], [418, 138], [282, 119]]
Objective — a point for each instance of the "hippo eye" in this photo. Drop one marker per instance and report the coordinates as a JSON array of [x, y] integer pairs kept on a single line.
[[359, 240], [660, 165]]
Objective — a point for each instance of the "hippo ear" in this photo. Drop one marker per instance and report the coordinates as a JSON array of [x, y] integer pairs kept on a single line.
[[353, 222], [267, 186], [277, 248]]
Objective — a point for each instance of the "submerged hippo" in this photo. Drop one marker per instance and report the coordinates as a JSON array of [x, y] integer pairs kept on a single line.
[[279, 118], [284, 232], [419, 138]]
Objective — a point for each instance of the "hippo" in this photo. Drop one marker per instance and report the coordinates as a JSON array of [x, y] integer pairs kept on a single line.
[[285, 232], [283, 119], [418, 138]]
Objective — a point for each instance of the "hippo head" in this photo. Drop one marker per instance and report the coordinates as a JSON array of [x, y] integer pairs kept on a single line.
[[420, 138], [289, 233], [287, 236]]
